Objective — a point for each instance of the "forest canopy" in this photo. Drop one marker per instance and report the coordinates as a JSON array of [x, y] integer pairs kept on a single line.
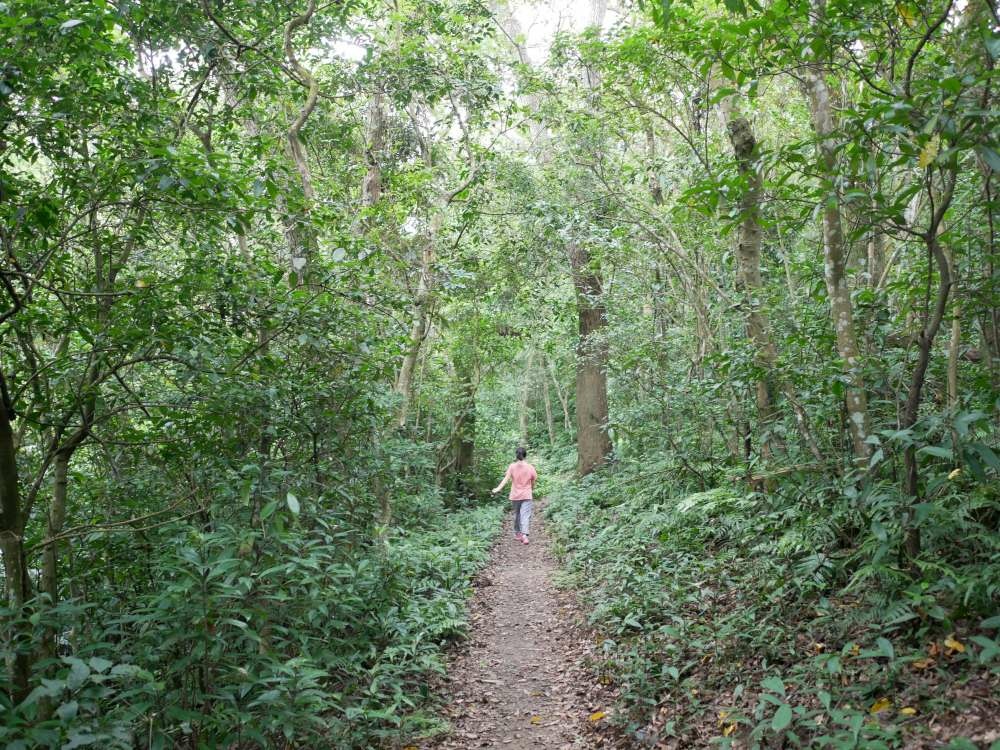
[[285, 282]]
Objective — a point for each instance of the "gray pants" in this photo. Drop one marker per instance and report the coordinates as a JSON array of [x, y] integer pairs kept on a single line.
[[522, 516]]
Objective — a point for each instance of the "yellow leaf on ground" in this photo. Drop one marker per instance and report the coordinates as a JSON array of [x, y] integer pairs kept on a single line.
[[923, 663], [730, 728], [855, 649], [598, 715], [536, 719], [880, 705], [954, 645], [908, 711]]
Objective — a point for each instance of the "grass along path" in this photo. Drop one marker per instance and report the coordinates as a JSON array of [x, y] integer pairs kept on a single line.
[[519, 682]]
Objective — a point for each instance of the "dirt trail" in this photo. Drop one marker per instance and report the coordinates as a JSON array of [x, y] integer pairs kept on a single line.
[[519, 681]]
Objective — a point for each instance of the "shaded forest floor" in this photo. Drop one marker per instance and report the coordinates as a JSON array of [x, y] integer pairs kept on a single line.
[[520, 680]]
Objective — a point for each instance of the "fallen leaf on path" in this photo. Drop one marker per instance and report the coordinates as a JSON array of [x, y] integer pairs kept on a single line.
[[598, 715], [954, 645], [880, 705]]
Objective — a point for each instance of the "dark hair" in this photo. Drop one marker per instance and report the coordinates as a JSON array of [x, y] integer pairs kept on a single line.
[[521, 453]]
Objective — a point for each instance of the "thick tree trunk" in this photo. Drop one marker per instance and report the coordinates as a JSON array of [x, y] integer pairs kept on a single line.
[[835, 255], [12, 539], [593, 444]]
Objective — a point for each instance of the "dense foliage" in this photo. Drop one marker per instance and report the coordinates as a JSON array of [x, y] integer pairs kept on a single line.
[[283, 282]]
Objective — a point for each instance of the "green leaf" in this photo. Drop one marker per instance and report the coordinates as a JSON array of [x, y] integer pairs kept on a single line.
[[68, 710], [67, 25], [986, 453], [991, 157], [885, 647], [98, 664], [936, 450], [293, 503], [967, 418], [774, 684], [782, 717]]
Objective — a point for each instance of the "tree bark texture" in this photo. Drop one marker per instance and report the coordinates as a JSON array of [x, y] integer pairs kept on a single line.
[[925, 342], [12, 538], [835, 256], [593, 444], [744, 144]]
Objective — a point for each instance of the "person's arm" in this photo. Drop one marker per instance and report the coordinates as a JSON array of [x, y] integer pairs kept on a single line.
[[503, 481]]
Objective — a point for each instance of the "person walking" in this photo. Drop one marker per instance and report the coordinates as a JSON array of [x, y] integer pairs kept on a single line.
[[521, 476]]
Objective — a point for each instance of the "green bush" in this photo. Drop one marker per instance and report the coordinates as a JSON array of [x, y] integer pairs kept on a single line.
[[307, 633]]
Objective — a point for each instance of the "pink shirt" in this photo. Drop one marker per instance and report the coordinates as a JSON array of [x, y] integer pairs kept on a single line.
[[522, 479]]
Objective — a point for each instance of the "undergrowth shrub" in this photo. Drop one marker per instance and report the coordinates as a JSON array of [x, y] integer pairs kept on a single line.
[[307, 635], [781, 618]]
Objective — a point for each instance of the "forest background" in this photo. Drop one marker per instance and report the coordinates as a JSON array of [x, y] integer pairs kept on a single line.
[[284, 282]]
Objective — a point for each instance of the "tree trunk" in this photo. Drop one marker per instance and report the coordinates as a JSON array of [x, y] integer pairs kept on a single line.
[[954, 344], [300, 232], [465, 430], [12, 540], [925, 341], [375, 137], [550, 423], [525, 398], [562, 396], [593, 444], [835, 254], [418, 327], [744, 144]]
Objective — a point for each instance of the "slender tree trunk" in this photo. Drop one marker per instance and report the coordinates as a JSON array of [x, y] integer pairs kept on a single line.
[[744, 144], [562, 396], [550, 423], [301, 234], [925, 342], [835, 254], [418, 327], [593, 444], [465, 431], [54, 525], [954, 344], [375, 137]]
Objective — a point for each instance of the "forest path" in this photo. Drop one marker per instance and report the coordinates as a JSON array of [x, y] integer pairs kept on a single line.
[[519, 681]]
